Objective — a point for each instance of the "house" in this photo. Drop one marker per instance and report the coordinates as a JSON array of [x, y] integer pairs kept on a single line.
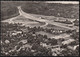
[[70, 25], [61, 31], [43, 44], [68, 41], [41, 17], [7, 41], [27, 45], [23, 41], [1, 42], [16, 32], [60, 20]]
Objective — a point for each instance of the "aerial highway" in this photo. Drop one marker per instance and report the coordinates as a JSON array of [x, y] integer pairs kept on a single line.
[[28, 16], [42, 20]]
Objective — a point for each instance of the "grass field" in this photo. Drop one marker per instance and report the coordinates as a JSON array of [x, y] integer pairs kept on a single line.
[[27, 22], [49, 35], [49, 26]]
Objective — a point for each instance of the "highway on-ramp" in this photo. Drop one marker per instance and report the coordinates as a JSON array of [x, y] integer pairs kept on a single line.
[[28, 16], [43, 20]]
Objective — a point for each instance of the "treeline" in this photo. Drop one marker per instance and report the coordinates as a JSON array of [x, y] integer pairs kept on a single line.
[[54, 9], [9, 9]]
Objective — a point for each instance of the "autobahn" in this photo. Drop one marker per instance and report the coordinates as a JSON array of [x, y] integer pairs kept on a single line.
[[28, 16], [43, 20]]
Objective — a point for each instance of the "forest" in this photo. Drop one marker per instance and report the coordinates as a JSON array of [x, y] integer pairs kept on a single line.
[[9, 9]]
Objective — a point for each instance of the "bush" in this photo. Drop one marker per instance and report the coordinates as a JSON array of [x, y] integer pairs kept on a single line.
[[53, 42]]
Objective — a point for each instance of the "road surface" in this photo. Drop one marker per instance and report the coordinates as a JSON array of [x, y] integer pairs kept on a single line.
[[26, 15], [42, 20]]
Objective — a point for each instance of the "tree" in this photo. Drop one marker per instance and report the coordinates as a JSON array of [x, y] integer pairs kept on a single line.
[[35, 46], [75, 35], [25, 53], [45, 36], [63, 46], [53, 41], [69, 31]]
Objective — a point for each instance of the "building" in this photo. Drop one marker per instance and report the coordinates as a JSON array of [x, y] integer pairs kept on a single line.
[[67, 41], [16, 32], [23, 41]]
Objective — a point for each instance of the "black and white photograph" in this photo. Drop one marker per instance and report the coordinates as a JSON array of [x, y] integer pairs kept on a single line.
[[39, 28]]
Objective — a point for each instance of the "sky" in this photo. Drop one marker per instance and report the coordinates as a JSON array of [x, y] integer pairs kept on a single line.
[[64, 2]]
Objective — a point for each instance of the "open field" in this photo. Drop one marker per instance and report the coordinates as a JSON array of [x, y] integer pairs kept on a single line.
[[49, 35], [51, 17]]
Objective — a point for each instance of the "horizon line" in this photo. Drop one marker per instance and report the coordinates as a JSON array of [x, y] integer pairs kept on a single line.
[[63, 2]]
